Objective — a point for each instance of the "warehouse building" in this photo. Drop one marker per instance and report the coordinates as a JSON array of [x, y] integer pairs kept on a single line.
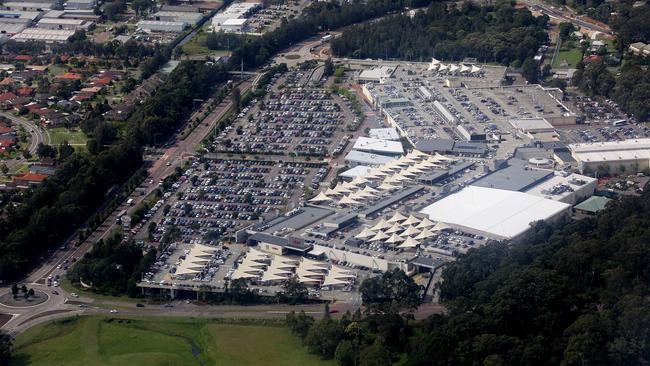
[[234, 25], [376, 75], [161, 26], [377, 146], [384, 134], [234, 11], [10, 29], [67, 24], [178, 16], [80, 4], [17, 16], [531, 125], [516, 176], [354, 158], [471, 133], [567, 188], [612, 156], [26, 6], [44, 35], [451, 147], [495, 213]]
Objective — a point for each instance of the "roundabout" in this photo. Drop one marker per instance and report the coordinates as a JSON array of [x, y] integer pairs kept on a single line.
[[20, 301]]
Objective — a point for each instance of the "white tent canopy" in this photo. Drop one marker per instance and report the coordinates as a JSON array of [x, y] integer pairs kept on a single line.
[[394, 239], [347, 200], [381, 225], [425, 223], [409, 243], [394, 229], [410, 231], [321, 197], [365, 233], [412, 220], [425, 234], [397, 217], [379, 237]]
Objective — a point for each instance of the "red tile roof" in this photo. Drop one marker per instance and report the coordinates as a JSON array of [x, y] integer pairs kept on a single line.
[[7, 96], [25, 91], [32, 177], [23, 58]]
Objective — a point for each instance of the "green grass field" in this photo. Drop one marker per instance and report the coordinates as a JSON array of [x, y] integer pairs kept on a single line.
[[75, 137], [571, 57], [95, 340]]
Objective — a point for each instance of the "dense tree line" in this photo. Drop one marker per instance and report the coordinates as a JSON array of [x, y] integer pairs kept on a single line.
[[318, 17], [572, 294], [40, 220], [492, 33], [43, 218], [630, 89], [373, 338], [113, 266]]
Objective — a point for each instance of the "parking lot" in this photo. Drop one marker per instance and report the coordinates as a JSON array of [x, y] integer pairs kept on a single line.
[[292, 120], [219, 196]]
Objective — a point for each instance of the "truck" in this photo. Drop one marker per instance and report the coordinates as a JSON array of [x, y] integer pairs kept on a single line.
[[118, 220], [326, 38], [129, 202]]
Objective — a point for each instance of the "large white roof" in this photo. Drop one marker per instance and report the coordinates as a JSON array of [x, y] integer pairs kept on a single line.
[[612, 151], [380, 146], [497, 213]]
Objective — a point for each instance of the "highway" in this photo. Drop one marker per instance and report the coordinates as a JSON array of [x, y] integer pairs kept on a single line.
[[163, 166], [553, 12]]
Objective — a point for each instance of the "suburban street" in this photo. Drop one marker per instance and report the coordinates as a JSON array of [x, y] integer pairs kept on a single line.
[[37, 135]]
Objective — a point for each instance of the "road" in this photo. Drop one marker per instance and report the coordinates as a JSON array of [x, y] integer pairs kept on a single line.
[[163, 166], [37, 135], [553, 12]]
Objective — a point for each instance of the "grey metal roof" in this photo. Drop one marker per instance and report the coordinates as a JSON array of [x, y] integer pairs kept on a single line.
[[515, 177], [304, 217], [427, 262], [268, 238], [392, 199], [341, 218], [460, 167], [435, 145], [469, 148]]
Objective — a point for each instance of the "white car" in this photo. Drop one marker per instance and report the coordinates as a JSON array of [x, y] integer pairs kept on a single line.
[[113, 311]]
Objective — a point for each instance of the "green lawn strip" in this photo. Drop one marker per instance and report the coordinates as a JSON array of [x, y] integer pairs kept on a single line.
[[571, 56], [65, 284], [98, 340], [75, 137]]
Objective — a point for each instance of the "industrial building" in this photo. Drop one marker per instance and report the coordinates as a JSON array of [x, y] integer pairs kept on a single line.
[[376, 75], [9, 29], [451, 147], [11, 16], [384, 134], [515, 176], [531, 125], [26, 6], [80, 4], [567, 188], [161, 26], [496, 213], [234, 11], [612, 156], [377, 146], [234, 25], [471, 133], [67, 24], [354, 158], [178, 16], [44, 35]]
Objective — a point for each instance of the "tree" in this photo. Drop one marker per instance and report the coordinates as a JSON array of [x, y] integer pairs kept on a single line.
[[65, 150], [23, 289], [45, 151], [299, 323], [530, 70], [5, 348], [4, 168], [235, 98], [323, 337], [30, 293], [328, 68], [376, 355], [295, 291], [392, 292], [566, 30], [344, 354], [14, 290]]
